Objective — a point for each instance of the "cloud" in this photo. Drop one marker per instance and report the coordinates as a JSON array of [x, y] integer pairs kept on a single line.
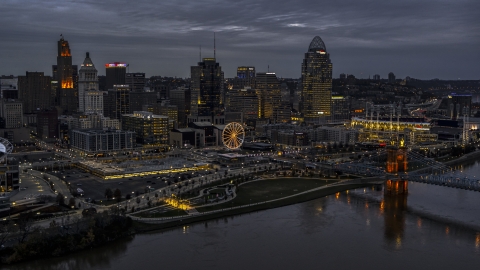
[[163, 37]]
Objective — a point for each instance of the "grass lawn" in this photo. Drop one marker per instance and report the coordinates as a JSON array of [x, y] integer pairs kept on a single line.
[[107, 202], [264, 190]]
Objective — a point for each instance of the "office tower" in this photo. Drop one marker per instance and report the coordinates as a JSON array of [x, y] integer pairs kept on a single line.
[[34, 91], [244, 100], [117, 101], [343, 76], [138, 99], [206, 87], [150, 129], [164, 109], [12, 113], [180, 97], [67, 93], [316, 83], [9, 87], [269, 95], [115, 74], [376, 77], [90, 98], [391, 77], [102, 83], [94, 102], [340, 108], [245, 78], [47, 124], [136, 81]]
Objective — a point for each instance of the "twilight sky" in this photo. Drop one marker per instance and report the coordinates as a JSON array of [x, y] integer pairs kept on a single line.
[[423, 39]]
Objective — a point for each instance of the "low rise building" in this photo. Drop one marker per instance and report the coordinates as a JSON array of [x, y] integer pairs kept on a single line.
[[151, 130], [102, 140]]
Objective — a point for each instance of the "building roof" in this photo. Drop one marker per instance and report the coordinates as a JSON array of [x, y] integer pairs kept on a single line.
[[317, 44], [183, 130], [202, 124], [144, 115]]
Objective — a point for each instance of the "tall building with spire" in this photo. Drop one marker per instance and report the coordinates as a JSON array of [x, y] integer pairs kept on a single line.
[[90, 99], [206, 89], [316, 83], [67, 94]]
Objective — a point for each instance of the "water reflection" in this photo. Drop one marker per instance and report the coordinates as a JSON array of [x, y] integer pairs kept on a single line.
[[395, 206], [365, 223]]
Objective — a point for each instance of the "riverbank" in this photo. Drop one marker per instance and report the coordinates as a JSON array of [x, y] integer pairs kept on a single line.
[[465, 159], [141, 227]]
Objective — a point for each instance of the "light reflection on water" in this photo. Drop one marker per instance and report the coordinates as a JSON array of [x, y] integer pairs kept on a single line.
[[360, 229]]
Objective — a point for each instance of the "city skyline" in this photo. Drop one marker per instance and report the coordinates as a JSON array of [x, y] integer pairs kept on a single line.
[[425, 40]]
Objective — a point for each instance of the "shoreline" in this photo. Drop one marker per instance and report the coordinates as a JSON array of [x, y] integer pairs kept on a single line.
[[141, 227]]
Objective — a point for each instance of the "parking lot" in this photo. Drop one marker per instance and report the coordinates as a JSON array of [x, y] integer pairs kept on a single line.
[[94, 187]]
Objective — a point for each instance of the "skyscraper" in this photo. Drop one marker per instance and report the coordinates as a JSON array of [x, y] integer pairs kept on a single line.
[[206, 87], [245, 77], [269, 95], [90, 98], [67, 93], [316, 83], [180, 97], [115, 74], [34, 91], [136, 81], [117, 102]]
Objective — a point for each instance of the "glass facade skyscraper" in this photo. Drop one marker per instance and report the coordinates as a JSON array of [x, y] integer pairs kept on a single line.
[[206, 88], [316, 83]]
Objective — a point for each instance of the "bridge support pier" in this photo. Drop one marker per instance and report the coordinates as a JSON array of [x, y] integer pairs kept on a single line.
[[396, 187]]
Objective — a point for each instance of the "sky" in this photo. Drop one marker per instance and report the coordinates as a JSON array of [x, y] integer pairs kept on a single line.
[[423, 39]]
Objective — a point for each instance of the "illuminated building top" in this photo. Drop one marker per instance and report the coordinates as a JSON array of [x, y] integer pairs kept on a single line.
[[64, 48], [317, 45], [116, 64]]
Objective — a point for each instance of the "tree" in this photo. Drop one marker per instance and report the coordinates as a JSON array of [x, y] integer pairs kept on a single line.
[[138, 200], [128, 197], [108, 193], [118, 195], [6, 229], [71, 202], [60, 199], [25, 225]]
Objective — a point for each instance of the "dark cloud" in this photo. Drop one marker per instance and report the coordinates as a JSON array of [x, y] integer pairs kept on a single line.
[[421, 38]]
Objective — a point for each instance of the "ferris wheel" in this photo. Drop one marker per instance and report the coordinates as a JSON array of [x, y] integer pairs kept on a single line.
[[233, 135]]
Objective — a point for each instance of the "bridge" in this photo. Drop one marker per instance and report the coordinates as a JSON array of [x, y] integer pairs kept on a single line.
[[399, 165]]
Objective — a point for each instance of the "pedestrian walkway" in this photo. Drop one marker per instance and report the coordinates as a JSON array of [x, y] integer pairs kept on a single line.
[[192, 211]]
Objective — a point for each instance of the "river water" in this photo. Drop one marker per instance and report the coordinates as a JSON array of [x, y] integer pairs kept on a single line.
[[431, 228]]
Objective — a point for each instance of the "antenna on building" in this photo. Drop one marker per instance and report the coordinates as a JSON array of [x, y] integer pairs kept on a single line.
[[214, 47], [268, 68]]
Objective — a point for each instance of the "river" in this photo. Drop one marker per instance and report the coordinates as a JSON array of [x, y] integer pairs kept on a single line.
[[431, 228]]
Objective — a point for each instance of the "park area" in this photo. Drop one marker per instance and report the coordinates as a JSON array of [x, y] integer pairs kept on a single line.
[[269, 189]]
